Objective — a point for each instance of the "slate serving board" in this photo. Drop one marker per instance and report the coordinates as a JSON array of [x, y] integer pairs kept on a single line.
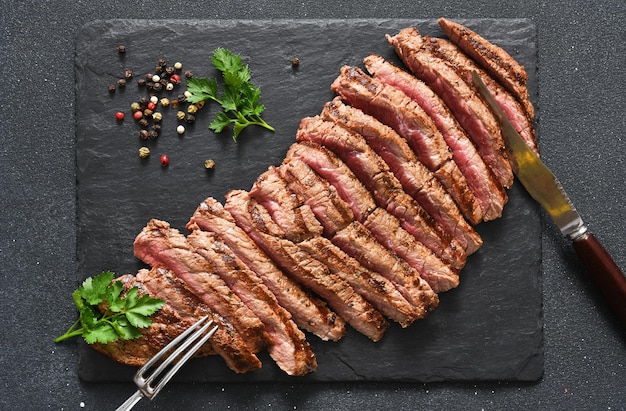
[[489, 328]]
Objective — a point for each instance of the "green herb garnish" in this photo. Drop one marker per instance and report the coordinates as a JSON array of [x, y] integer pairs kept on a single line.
[[123, 316], [240, 99]]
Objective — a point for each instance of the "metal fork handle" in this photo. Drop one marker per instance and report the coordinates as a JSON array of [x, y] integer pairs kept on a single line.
[[130, 402]]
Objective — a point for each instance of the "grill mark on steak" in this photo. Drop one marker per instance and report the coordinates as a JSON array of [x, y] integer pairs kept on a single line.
[[397, 110], [308, 311], [288, 346], [415, 179], [295, 261], [511, 107], [359, 243], [321, 197], [487, 190], [387, 191], [492, 58], [351, 190], [295, 218], [162, 283], [385, 228], [376, 289], [159, 245], [470, 111]]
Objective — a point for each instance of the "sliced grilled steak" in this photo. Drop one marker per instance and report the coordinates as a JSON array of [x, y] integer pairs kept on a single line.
[[514, 111], [328, 207], [471, 112], [288, 346], [493, 58], [385, 227], [414, 178], [309, 312], [162, 246], [295, 261], [359, 243], [351, 190], [394, 108], [488, 191], [388, 192], [387, 230], [376, 289], [332, 169], [226, 341], [295, 218]]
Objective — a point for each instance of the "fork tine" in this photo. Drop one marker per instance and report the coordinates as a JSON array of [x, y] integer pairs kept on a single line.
[[198, 336]]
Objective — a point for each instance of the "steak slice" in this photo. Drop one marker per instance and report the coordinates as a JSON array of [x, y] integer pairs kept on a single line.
[[385, 227], [295, 261], [471, 112], [511, 107], [397, 110], [493, 58], [295, 218], [376, 289], [359, 243], [413, 177], [351, 190], [159, 245], [488, 191], [388, 192], [387, 230], [288, 345], [227, 342], [308, 311], [321, 197]]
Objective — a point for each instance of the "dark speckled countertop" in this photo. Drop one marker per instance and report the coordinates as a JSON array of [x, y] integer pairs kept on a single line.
[[581, 105]]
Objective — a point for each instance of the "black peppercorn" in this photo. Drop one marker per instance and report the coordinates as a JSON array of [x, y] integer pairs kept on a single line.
[[153, 135], [143, 134], [158, 70], [149, 85], [149, 76], [121, 82], [141, 82], [111, 88], [169, 70], [157, 87], [157, 128], [121, 49], [190, 118], [181, 98], [162, 62], [143, 101], [188, 74], [128, 74], [143, 122]]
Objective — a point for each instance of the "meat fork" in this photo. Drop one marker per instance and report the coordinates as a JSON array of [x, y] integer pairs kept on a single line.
[[192, 335]]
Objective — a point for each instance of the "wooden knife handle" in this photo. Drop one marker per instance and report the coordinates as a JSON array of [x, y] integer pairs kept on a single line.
[[604, 272]]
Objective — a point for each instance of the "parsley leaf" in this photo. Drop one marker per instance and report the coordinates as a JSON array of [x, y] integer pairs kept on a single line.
[[240, 99], [121, 316]]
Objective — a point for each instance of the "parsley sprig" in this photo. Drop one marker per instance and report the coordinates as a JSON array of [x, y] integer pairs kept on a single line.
[[123, 315], [240, 98]]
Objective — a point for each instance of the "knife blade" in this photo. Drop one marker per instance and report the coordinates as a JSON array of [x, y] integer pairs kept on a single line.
[[546, 189]]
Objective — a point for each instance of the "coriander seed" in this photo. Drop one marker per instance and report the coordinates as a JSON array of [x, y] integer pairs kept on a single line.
[[144, 152], [209, 164]]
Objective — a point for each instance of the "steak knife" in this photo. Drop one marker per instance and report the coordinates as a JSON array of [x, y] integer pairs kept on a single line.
[[544, 187]]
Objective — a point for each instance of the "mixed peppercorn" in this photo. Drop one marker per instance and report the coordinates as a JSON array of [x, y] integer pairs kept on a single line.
[[147, 110]]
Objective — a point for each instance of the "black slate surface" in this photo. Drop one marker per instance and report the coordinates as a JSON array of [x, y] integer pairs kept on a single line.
[[490, 328]]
